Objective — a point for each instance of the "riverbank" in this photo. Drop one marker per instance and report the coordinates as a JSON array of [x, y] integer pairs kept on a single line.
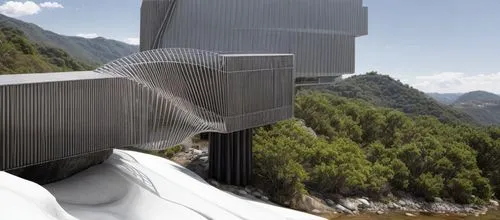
[[195, 158], [491, 215]]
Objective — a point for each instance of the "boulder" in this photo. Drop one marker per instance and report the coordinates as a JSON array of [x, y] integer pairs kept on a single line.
[[256, 194], [309, 203], [330, 202], [410, 214], [197, 152], [204, 159], [380, 212], [437, 199], [351, 204], [343, 209], [393, 205], [402, 202], [493, 202], [315, 211], [264, 198], [242, 192], [364, 202]]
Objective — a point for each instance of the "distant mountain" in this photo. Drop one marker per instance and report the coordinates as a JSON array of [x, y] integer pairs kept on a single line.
[[477, 96], [445, 98], [385, 91], [20, 55], [94, 51], [483, 106]]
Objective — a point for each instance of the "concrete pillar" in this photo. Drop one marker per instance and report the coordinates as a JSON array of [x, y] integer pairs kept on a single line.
[[230, 157]]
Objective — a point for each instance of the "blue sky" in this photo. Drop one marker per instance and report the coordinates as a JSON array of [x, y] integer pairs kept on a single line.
[[433, 45]]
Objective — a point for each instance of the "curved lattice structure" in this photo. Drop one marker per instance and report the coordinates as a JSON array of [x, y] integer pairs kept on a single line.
[[152, 100], [194, 91]]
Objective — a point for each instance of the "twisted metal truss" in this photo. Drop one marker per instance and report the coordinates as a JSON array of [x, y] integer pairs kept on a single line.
[[152, 100]]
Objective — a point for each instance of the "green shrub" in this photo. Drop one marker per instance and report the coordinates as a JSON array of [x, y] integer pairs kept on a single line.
[[362, 149], [276, 166], [171, 151], [429, 186]]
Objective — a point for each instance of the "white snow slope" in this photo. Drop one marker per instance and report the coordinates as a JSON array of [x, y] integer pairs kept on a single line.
[[131, 186]]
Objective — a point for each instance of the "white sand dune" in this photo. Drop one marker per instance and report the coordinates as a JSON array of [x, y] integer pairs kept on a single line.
[[131, 186]]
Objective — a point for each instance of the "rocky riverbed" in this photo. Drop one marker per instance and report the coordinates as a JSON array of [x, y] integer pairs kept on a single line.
[[195, 158]]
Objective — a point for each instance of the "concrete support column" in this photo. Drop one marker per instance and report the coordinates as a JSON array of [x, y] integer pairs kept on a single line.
[[230, 157]]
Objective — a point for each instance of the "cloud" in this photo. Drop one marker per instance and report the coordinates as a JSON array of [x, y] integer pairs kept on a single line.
[[51, 5], [19, 9], [132, 40], [450, 82], [88, 35]]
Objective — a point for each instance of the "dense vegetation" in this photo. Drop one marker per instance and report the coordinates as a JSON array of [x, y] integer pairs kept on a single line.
[[385, 91], [95, 51], [19, 55], [361, 149]]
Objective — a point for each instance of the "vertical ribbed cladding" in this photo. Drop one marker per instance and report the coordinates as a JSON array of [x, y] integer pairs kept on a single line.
[[153, 99], [192, 91], [4, 124], [49, 121], [260, 89], [154, 23], [320, 33], [230, 157]]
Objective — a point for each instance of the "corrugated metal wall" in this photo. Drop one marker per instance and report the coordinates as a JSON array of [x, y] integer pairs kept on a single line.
[[153, 99], [321, 33], [45, 121]]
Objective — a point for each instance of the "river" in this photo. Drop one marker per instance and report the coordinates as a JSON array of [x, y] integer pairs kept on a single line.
[[492, 215]]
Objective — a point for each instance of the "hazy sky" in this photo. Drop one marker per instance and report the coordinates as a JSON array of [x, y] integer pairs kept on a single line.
[[434, 45]]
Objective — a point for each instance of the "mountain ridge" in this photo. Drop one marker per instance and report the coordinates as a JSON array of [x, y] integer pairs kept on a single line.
[[384, 91], [477, 96], [20, 55], [482, 106], [95, 51]]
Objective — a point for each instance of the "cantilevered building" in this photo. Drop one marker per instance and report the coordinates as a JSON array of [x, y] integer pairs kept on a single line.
[[321, 33], [218, 66], [55, 124]]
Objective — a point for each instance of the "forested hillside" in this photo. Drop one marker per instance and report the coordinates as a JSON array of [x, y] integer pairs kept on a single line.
[[95, 51], [483, 107], [19, 55], [382, 90], [477, 96], [361, 149]]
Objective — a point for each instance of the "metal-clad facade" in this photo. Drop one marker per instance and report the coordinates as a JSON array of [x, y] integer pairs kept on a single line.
[[321, 33], [50, 120], [153, 100]]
